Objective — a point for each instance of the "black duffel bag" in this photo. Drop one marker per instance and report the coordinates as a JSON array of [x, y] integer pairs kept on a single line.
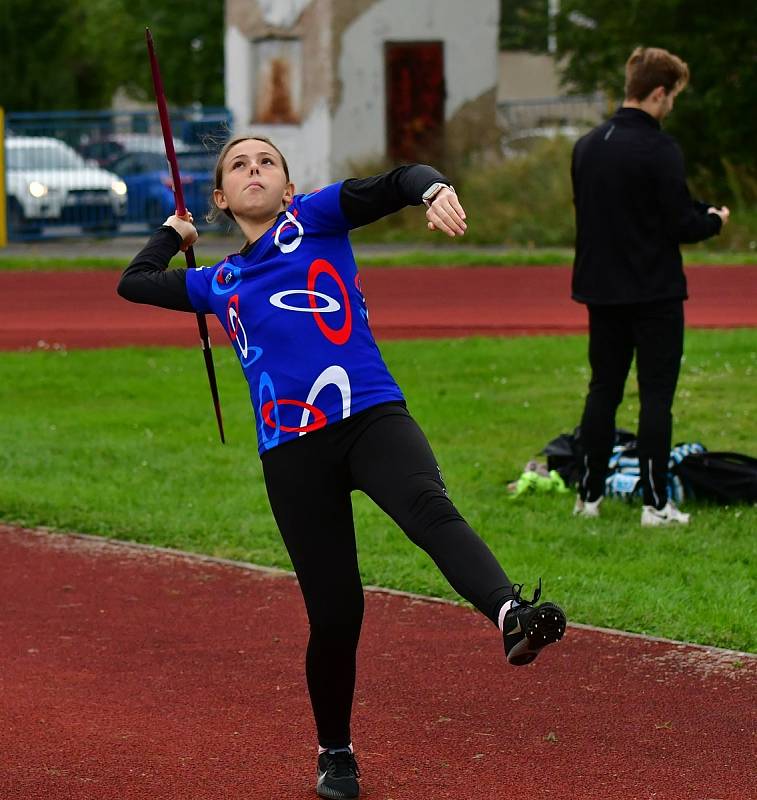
[[722, 477]]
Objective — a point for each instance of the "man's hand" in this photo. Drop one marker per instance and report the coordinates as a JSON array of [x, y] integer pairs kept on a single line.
[[724, 213], [184, 227], [445, 214]]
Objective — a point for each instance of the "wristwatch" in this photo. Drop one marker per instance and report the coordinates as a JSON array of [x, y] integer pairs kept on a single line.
[[433, 191]]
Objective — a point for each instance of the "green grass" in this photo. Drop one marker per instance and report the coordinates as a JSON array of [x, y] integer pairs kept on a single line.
[[441, 256], [62, 264], [123, 443], [417, 255]]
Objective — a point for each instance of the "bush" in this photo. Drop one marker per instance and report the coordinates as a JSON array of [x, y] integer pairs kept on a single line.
[[527, 201], [741, 197], [524, 201]]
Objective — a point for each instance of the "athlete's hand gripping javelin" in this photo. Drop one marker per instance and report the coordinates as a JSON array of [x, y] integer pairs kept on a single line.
[[445, 214], [184, 226]]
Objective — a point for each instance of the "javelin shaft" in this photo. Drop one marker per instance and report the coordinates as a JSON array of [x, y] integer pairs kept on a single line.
[[181, 209], [165, 125]]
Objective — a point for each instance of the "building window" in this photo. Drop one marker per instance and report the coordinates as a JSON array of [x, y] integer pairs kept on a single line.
[[277, 81]]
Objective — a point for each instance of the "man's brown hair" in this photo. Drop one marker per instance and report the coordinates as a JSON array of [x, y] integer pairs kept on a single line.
[[650, 67]]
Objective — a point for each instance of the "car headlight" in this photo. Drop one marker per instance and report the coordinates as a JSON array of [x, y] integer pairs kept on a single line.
[[37, 189], [118, 187]]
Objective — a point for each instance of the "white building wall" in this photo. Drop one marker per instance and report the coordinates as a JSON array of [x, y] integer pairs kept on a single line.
[[469, 31], [237, 74], [319, 148], [527, 76], [306, 146]]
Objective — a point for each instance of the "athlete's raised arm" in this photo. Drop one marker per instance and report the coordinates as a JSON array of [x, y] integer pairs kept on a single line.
[[365, 200], [148, 280]]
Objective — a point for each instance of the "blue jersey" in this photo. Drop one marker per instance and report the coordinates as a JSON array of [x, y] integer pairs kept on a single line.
[[295, 314]]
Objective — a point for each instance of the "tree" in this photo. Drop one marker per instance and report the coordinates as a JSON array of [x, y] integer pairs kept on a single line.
[[714, 117], [189, 43], [74, 54], [53, 54], [524, 25]]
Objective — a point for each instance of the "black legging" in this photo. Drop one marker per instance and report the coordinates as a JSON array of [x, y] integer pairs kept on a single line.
[[655, 332], [382, 452]]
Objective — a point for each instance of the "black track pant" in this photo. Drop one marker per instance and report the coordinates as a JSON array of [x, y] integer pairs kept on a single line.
[[382, 452], [655, 332]]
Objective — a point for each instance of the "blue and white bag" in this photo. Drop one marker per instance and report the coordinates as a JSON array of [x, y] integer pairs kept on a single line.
[[624, 478]]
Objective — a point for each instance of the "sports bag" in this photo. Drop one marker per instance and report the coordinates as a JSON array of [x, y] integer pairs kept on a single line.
[[624, 472], [564, 453], [722, 477]]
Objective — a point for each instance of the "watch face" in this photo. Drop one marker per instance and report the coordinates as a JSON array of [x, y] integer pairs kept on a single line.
[[432, 191]]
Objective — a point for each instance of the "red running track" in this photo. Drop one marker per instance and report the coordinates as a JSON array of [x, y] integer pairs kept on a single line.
[[131, 674], [71, 309], [136, 675]]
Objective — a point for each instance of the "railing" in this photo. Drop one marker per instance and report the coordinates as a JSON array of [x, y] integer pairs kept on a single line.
[[71, 173], [588, 110], [524, 121]]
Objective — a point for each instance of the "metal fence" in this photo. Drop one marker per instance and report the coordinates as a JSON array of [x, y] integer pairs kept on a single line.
[[71, 173], [523, 121]]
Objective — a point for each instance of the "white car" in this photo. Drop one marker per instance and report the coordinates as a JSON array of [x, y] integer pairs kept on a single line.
[[48, 182]]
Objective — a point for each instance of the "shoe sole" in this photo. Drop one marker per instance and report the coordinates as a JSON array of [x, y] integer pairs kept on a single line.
[[335, 794], [547, 626]]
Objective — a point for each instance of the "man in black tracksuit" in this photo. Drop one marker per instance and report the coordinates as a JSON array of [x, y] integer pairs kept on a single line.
[[633, 209]]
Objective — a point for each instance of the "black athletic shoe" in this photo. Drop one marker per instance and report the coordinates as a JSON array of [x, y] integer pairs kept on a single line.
[[337, 775], [528, 628]]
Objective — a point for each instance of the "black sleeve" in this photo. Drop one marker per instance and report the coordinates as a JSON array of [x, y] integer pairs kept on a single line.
[[687, 220], [702, 206], [365, 200], [573, 172], [148, 280]]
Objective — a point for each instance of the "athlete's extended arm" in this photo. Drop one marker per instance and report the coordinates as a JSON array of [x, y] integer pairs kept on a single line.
[[365, 200]]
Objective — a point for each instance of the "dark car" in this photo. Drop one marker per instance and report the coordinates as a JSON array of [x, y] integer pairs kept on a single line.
[[106, 149], [150, 186]]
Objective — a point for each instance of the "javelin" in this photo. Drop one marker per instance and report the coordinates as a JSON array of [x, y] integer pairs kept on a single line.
[[181, 210]]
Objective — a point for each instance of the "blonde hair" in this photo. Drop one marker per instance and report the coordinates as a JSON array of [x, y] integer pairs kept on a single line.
[[650, 67], [214, 212]]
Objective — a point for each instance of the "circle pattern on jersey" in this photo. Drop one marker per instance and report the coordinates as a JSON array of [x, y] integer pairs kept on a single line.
[[339, 335], [226, 279], [286, 224], [248, 354], [266, 385], [332, 376], [331, 304], [319, 418], [363, 305]]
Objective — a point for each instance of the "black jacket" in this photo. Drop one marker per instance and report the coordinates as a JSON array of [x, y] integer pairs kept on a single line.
[[633, 209]]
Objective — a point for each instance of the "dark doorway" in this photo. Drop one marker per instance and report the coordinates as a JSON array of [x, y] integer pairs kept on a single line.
[[415, 100]]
